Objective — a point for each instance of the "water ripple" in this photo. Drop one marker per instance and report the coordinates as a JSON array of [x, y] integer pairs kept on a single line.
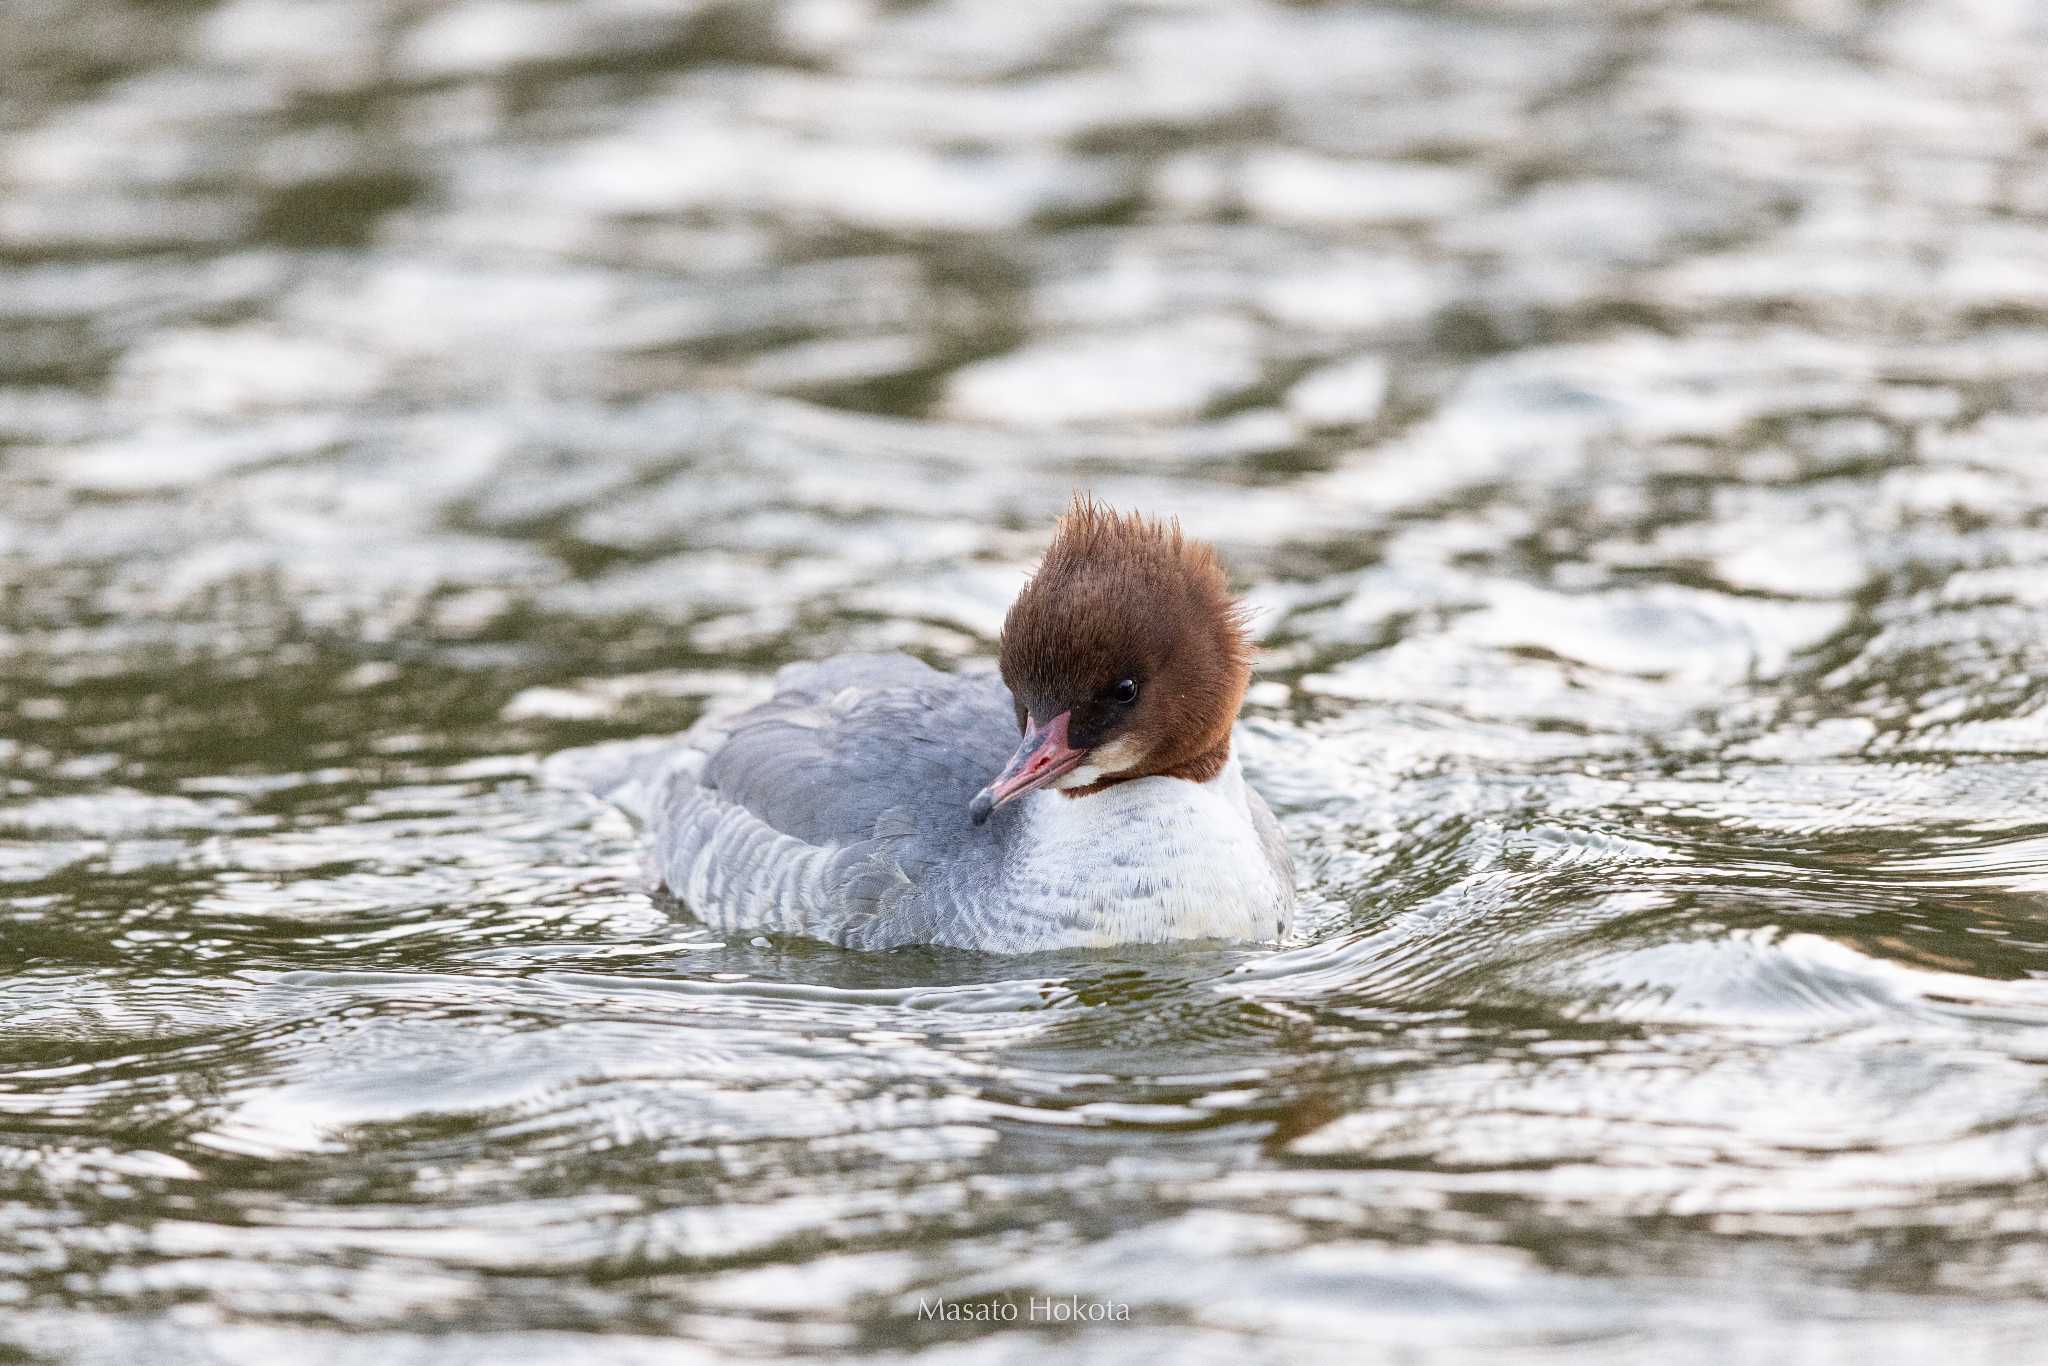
[[1627, 423]]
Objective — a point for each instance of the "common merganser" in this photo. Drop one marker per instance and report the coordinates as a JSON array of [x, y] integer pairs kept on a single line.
[[874, 801]]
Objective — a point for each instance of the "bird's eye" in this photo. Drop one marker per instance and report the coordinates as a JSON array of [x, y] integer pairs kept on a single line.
[[1123, 692]]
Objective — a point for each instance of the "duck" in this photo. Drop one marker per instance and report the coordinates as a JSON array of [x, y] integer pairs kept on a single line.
[[1085, 793]]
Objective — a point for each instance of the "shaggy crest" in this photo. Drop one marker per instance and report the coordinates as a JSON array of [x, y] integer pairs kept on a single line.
[[1122, 596]]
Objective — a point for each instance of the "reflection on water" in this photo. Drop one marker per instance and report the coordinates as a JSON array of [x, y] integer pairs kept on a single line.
[[1630, 420]]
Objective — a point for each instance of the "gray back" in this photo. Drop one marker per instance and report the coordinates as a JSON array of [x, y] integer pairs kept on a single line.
[[838, 808]]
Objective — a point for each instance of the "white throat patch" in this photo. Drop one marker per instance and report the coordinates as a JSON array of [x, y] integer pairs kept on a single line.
[[1104, 761]]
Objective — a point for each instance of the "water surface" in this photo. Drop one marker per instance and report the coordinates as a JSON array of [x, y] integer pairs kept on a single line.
[[1631, 422]]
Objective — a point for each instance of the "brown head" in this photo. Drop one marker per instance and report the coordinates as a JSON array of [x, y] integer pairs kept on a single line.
[[1126, 656]]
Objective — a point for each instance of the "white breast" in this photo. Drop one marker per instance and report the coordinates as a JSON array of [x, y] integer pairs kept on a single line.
[[1141, 862]]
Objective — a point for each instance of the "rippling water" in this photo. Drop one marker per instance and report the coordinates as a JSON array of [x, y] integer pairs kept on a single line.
[[1630, 420]]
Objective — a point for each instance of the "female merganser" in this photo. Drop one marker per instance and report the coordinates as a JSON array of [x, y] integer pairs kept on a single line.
[[873, 801]]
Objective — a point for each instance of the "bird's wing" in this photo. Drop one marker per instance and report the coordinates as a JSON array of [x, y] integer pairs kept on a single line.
[[823, 810]]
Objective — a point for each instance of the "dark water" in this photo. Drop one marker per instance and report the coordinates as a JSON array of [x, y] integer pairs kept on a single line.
[[1631, 419]]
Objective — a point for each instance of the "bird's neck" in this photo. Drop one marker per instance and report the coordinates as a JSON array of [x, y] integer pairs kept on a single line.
[[1199, 769]]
